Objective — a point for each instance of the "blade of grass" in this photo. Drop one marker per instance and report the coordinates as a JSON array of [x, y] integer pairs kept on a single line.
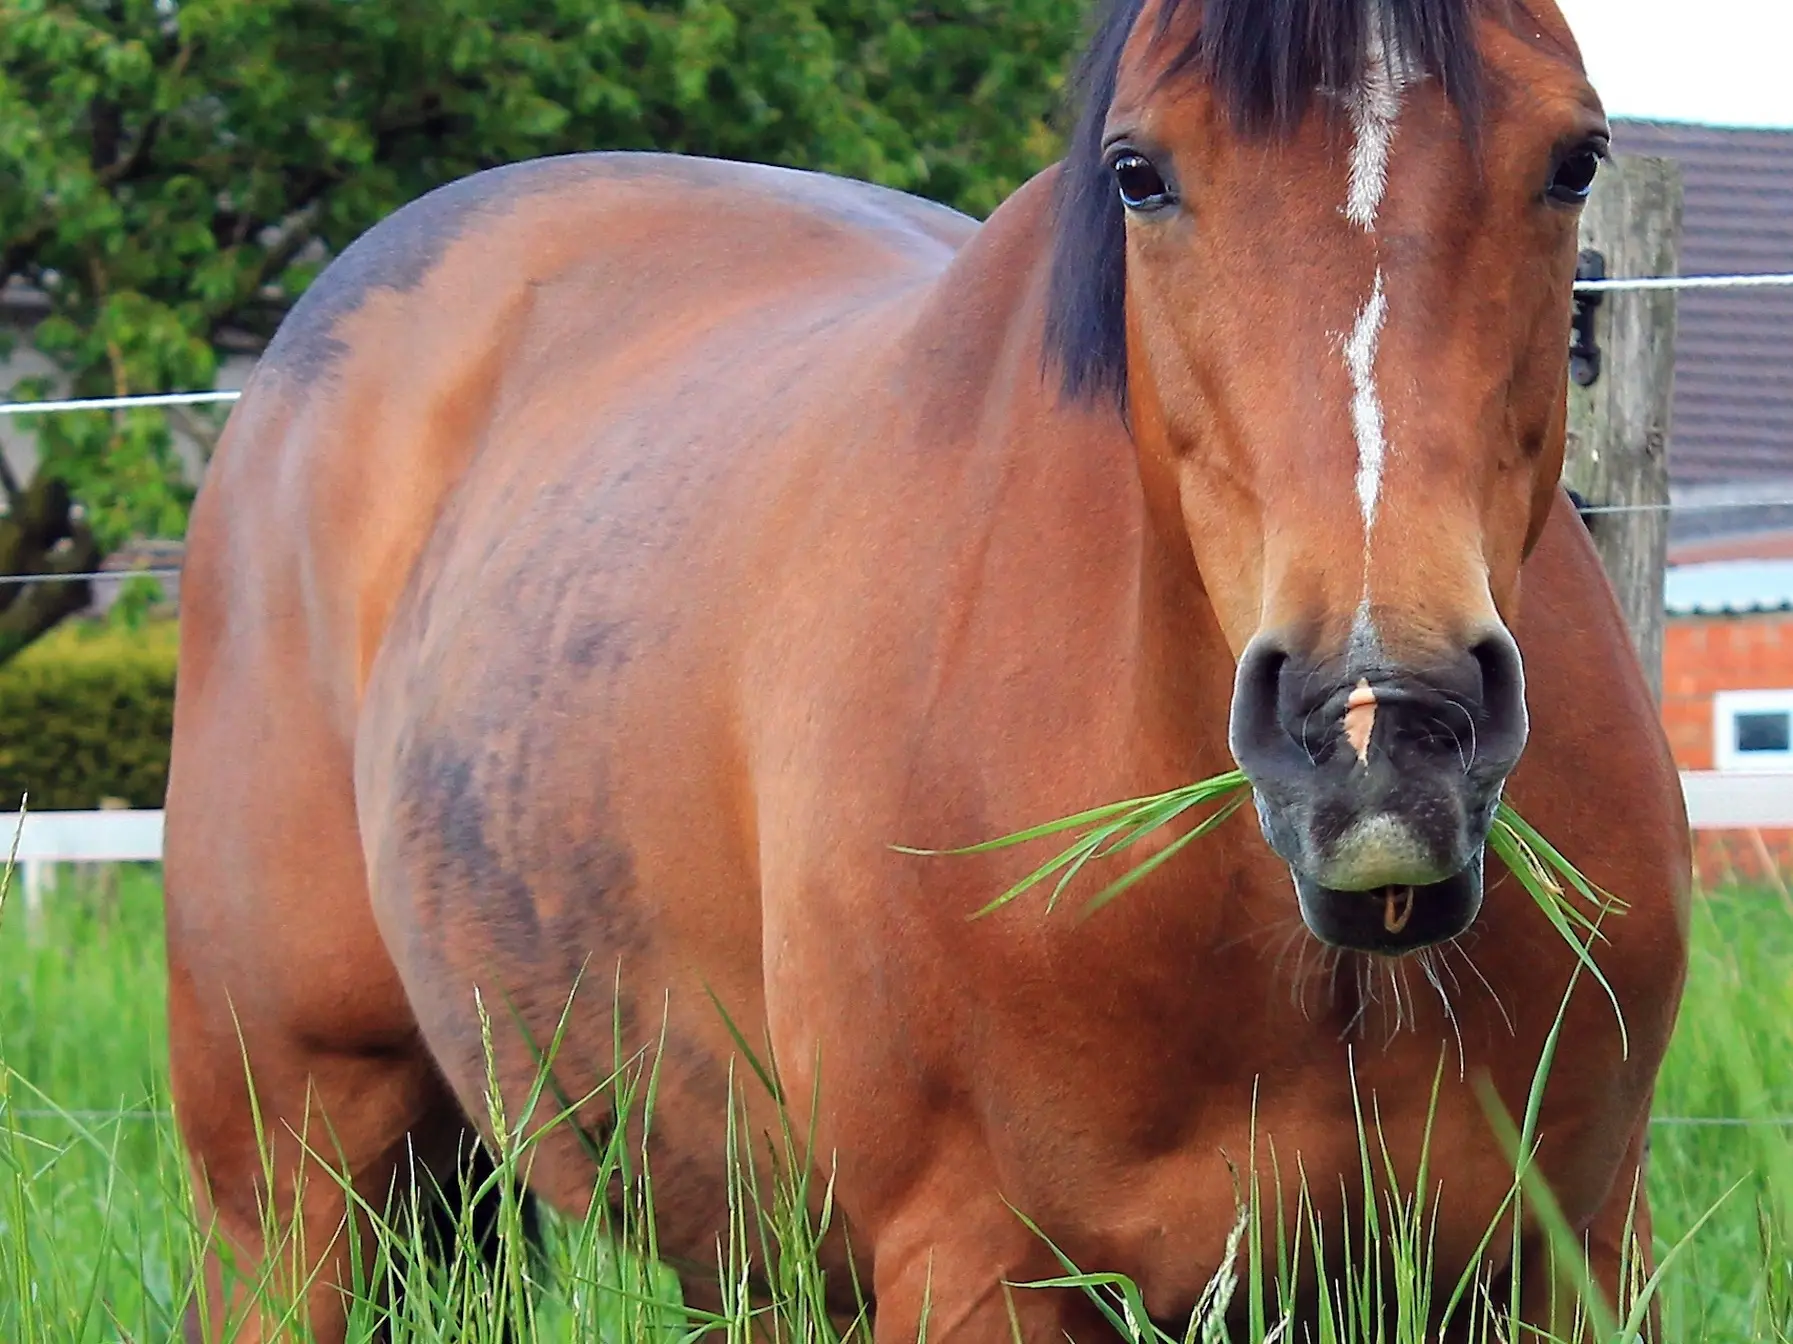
[[1511, 841], [1163, 856]]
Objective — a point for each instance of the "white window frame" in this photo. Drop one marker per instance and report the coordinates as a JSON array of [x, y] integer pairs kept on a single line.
[[1726, 706]]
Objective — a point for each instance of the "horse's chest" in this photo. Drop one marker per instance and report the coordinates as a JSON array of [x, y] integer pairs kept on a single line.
[[1164, 1217]]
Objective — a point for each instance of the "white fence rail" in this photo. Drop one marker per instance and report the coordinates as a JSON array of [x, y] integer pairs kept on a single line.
[[1731, 801], [1716, 801], [89, 837], [80, 837]]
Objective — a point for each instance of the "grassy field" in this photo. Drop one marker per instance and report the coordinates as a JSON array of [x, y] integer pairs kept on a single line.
[[97, 1240], [1732, 1060]]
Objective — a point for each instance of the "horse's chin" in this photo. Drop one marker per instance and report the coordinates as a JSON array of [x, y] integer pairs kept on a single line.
[[1392, 921]]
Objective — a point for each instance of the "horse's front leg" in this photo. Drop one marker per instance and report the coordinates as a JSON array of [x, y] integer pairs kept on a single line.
[[947, 1268]]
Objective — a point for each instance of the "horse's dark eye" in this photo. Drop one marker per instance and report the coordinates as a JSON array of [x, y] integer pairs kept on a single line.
[[1574, 177], [1140, 185]]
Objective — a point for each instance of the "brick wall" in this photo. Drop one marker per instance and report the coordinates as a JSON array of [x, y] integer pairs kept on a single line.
[[1702, 655]]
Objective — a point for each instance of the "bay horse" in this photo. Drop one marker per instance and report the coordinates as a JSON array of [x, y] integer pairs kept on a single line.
[[615, 558]]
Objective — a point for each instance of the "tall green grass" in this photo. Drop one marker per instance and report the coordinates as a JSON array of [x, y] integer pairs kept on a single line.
[[1732, 1061], [93, 1237], [98, 1240]]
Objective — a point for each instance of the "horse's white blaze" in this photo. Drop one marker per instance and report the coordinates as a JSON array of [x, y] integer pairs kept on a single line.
[[1375, 107], [1365, 647], [1366, 401], [1375, 111]]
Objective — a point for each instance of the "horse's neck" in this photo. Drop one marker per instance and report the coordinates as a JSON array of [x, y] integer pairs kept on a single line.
[[983, 325]]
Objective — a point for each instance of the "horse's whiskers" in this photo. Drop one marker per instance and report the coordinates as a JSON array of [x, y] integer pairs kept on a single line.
[[1383, 974], [1456, 742], [1365, 995], [1335, 959], [1312, 759], [1399, 991], [1469, 718], [1384, 988], [1303, 977], [1430, 964], [1316, 965], [1456, 945], [1296, 930], [1443, 962], [1243, 939]]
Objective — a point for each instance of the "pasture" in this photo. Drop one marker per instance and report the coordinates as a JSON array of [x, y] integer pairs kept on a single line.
[[98, 1238]]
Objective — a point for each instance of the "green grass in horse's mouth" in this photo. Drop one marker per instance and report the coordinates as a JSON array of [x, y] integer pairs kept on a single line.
[[1103, 831]]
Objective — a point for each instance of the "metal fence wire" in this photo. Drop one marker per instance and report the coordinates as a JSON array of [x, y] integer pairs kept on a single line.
[[1633, 284], [95, 1117], [1778, 280]]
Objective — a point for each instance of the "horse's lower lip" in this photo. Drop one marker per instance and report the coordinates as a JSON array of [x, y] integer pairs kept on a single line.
[[1391, 920]]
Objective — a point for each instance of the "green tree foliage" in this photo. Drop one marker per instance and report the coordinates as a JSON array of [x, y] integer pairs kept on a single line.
[[173, 172]]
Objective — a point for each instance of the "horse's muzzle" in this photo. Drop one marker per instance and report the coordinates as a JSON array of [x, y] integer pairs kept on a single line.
[[1378, 783]]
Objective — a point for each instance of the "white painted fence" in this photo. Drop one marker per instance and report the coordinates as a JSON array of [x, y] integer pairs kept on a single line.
[[1731, 801], [1716, 801], [112, 836]]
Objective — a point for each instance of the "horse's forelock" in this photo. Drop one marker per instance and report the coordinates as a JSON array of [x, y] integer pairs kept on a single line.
[[1266, 61]]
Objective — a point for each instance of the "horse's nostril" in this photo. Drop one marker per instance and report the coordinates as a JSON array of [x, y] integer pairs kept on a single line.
[[1502, 697], [1259, 737], [1497, 658], [1256, 690], [1262, 670]]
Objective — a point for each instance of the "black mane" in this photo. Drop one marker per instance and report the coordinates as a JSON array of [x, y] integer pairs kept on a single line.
[[1264, 60]]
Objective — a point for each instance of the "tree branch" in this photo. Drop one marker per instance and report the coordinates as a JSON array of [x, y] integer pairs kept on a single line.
[[115, 169], [39, 607], [126, 169], [19, 253], [299, 232], [107, 121], [205, 437], [280, 256], [40, 536], [10, 483]]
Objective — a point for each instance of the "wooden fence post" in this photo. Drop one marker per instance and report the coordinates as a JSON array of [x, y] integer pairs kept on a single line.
[[1620, 400]]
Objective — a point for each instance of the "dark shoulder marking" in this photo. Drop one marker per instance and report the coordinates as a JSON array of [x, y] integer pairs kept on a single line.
[[398, 252], [401, 250]]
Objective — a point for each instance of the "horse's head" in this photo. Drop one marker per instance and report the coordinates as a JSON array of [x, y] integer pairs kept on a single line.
[[1321, 253]]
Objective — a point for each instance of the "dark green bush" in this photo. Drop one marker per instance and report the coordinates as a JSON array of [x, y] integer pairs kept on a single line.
[[86, 715]]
